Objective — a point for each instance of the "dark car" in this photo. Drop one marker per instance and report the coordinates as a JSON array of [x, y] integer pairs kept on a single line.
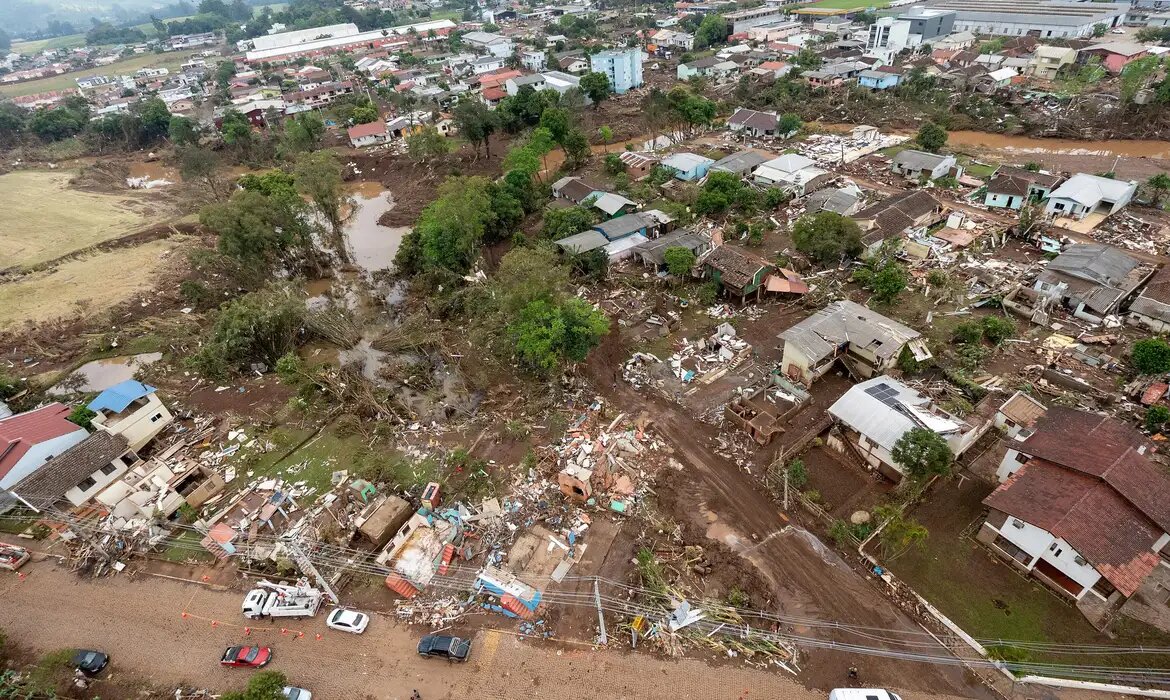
[[253, 657], [444, 647], [89, 661]]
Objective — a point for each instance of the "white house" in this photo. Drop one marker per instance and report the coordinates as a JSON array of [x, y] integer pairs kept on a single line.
[[494, 44], [914, 164], [487, 64], [791, 172], [877, 413], [372, 134], [29, 439], [79, 473], [133, 410], [1082, 509], [1083, 194], [534, 60]]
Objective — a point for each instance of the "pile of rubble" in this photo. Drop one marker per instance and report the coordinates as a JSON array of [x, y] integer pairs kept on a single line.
[[835, 149], [1132, 233], [702, 360]]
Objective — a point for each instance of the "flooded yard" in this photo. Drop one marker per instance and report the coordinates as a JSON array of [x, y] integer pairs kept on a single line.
[[103, 374], [372, 245]]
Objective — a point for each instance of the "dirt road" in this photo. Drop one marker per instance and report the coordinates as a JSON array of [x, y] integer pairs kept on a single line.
[[140, 624], [806, 578]]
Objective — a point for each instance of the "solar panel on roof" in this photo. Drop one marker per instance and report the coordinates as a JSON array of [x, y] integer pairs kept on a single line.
[[884, 393]]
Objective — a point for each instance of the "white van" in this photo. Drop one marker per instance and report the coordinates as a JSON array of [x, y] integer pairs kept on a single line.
[[862, 694]]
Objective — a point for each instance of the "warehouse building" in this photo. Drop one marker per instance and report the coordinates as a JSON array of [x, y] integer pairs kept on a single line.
[[1038, 18]]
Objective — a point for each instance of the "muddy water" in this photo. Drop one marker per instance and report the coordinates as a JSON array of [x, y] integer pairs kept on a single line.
[[103, 374], [1024, 144], [372, 245], [154, 171]]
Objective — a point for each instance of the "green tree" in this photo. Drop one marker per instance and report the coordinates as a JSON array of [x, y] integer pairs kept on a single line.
[[558, 122], [562, 223], [888, 282], [476, 123], [318, 177], [182, 131], [899, 533], [614, 164], [1156, 417], [711, 31], [203, 166], [427, 144], [83, 416], [259, 327], [265, 685], [968, 333], [797, 474], [932, 137], [547, 335], [577, 149], [526, 275], [1136, 76], [827, 237], [154, 119], [13, 123], [679, 261], [365, 114], [1099, 29], [236, 130], [1151, 356], [450, 230], [922, 453], [606, 135], [596, 87], [1159, 185], [302, 133], [789, 123], [56, 123]]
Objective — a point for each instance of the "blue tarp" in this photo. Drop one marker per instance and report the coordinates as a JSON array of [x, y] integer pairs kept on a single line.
[[119, 396]]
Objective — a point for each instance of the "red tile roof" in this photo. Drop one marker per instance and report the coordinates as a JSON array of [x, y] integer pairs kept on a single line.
[[19, 433], [494, 93], [371, 129], [1112, 534]]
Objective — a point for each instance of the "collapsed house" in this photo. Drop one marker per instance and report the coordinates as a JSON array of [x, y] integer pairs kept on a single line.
[[422, 548], [737, 272], [763, 412], [1152, 307], [866, 342], [1091, 280], [911, 212], [876, 413]]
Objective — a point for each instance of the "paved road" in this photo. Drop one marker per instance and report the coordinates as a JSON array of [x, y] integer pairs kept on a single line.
[[140, 624]]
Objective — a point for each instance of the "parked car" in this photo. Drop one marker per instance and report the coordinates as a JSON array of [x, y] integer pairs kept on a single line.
[[347, 621], [444, 647], [862, 694], [89, 661], [291, 693], [252, 657]]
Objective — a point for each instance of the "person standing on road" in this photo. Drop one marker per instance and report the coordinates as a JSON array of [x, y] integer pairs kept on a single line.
[[414, 695]]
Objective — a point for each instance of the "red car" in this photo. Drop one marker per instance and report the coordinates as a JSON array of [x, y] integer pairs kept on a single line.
[[251, 657]]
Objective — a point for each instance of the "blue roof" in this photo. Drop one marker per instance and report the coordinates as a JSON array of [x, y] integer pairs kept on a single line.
[[119, 396]]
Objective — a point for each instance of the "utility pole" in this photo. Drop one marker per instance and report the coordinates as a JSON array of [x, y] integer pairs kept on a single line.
[[307, 567], [600, 614], [785, 489]]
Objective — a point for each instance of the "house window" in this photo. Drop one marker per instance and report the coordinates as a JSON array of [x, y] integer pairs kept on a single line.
[[1012, 550], [156, 417], [1055, 549], [1021, 457], [109, 469], [1018, 524], [88, 484]]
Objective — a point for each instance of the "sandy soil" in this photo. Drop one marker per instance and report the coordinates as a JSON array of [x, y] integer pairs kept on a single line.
[[141, 625]]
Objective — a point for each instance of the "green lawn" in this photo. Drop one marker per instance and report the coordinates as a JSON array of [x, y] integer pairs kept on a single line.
[[171, 61], [57, 42], [989, 600], [186, 546]]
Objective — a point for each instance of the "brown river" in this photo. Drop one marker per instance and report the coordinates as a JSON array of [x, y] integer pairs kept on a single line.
[[1072, 147]]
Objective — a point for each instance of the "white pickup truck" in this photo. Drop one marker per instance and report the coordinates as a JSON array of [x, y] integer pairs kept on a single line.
[[278, 600]]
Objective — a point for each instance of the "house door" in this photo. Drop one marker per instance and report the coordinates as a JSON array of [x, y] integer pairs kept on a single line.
[[1011, 202]]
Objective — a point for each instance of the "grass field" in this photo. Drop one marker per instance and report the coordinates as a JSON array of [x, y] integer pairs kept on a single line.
[[170, 61], [849, 4], [44, 218], [88, 283], [58, 42]]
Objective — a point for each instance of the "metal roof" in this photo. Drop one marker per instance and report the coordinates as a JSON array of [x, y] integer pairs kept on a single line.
[[819, 335], [883, 409], [1089, 190], [121, 395], [583, 242]]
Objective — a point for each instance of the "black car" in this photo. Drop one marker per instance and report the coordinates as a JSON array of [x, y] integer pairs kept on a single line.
[[89, 661], [444, 647]]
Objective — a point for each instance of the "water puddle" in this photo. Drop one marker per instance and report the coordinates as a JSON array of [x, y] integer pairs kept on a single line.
[[369, 359], [372, 245], [720, 531], [103, 374]]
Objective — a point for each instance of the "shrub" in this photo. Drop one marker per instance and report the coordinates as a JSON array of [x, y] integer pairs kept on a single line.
[[968, 332], [737, 598], [82, 416], [706, 294], [797, 474], [998, 329], [1156, 417], [907, 363], [1151, 356], [922, 452], [195, 293]]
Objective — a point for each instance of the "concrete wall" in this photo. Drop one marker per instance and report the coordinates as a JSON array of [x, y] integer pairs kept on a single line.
[[142, 425], [1042, 545], [77, 497]]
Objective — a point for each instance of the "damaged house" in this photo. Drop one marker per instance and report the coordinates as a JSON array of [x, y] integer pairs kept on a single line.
[[1152, 307], [79, 473], [1011, 188], [1091, 280], [131, 409], [1081, 508], [1082, 195], [737, 272], [866, 342], [911, 212], [873, 415], [422, 548], [915, 165]]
